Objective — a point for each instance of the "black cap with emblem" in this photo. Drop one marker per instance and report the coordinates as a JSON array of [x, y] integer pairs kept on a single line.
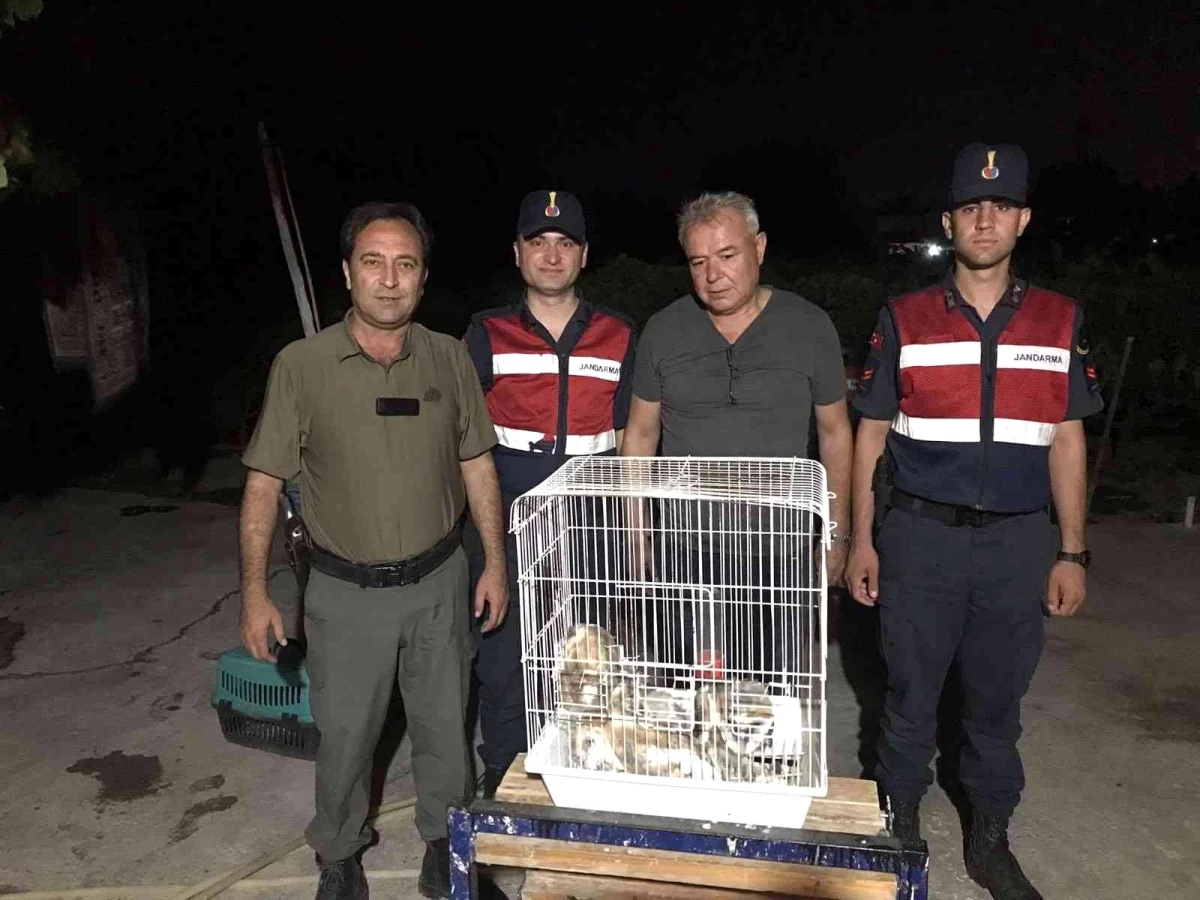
[[989, 171], [551, 211]]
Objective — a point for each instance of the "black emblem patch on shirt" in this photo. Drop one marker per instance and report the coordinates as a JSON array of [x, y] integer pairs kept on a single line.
[[397, 406], [432, 395]]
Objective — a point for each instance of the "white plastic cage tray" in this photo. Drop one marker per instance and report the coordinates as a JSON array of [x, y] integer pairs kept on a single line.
[[769, 805]]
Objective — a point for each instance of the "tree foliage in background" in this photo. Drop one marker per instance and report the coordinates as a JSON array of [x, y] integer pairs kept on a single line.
[[24, 160], [1155, 305], [13, 11], [14, 136], [1144, 299]]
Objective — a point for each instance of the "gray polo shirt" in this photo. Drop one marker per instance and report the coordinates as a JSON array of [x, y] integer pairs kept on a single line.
[[753, 397]]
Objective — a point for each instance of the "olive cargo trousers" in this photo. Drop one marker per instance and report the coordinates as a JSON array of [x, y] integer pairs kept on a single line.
[[361, 641]]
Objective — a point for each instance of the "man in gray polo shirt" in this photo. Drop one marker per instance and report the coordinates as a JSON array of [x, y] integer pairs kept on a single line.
[[736, 368]]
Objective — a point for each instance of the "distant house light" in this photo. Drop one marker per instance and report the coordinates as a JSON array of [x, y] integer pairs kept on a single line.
[[1154, 240], [932, 249]]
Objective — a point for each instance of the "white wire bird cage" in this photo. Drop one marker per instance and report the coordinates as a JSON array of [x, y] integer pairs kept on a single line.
[[673, 619]]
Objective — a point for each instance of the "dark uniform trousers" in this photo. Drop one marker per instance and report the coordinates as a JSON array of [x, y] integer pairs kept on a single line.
[[498, 663], [968, 595], [502, 700], [360, 643]]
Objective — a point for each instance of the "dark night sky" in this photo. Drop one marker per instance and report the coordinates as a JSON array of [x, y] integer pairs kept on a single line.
[[629, 106], [816, 114]]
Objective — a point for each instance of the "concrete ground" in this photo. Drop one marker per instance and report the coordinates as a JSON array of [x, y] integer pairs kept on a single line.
[[114, 772]]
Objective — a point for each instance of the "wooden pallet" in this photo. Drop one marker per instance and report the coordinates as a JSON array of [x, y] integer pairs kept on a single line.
[[544, 885], [601, 871], [594, 870]]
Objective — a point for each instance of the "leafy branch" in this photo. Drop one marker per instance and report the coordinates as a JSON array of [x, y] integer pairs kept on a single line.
[[13, 11], [26, 162], [19, 163]]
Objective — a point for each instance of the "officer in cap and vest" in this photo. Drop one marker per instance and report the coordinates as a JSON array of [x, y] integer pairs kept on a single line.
[[972, 400], [557, 373]]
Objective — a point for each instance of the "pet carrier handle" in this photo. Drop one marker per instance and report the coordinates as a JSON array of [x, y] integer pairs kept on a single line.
[[290, 655]]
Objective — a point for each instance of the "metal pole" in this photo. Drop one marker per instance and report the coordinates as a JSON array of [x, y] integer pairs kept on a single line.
[[295, 223], [293, 254], [1108, 421]]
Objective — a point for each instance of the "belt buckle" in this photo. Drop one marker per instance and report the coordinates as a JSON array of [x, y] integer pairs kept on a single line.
[[971, 516], [399, 574], [408, 574]]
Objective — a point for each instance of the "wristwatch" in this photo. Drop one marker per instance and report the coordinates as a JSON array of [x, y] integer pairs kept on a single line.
[[1084, 559]]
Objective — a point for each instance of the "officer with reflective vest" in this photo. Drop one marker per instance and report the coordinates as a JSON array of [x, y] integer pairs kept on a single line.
[[557, 373], [972, 400]]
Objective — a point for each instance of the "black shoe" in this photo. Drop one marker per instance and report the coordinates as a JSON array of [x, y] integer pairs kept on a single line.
[[489, 782], [342, 880], [904, 817], [991, 864], [435, 869]]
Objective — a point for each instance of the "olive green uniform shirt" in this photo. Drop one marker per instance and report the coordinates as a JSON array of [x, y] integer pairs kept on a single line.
[[375, 488]]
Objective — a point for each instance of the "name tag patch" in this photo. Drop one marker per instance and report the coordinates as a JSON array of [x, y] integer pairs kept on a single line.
[[397, 406], [1020, 356]]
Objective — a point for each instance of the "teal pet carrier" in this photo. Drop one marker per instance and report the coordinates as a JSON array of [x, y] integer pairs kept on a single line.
[[265, 705]]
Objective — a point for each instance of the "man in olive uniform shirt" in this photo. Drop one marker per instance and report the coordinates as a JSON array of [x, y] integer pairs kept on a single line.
[[384, 424]]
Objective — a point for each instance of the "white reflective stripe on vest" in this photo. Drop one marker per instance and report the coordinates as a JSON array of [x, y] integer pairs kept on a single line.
[[548, 363], [585, 444], [1022, 431], [517, 439], [577, 444], [956, 353], [956, 431], [524, 364], [966, 431], [594, 367], [1020, 356]]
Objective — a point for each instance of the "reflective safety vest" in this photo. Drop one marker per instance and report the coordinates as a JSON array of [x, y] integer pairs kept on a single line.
[[547, 402], [952, 449]]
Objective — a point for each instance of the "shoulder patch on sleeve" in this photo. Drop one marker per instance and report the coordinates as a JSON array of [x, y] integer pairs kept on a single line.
[[1083, 349]]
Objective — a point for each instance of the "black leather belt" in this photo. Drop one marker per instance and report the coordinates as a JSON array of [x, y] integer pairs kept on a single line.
[[389, 574], [947, 513]]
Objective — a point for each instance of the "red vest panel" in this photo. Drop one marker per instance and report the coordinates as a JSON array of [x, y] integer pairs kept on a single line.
[[940, 370], [528, 380]]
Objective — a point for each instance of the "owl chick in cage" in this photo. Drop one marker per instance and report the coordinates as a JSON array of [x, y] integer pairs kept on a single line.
[[622, 743], [619, 722], [735, 722], [588, 658]]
